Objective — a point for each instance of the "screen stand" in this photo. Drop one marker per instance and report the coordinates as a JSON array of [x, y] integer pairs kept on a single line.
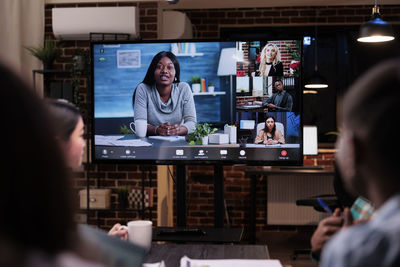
[[181, 195], [218, 196]]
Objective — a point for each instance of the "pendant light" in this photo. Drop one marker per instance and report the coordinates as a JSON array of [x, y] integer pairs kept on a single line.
[[316, 81], [376, 30]]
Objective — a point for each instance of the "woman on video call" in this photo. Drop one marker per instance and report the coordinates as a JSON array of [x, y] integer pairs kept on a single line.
[[269, 135], [163, 101], [270, 61]]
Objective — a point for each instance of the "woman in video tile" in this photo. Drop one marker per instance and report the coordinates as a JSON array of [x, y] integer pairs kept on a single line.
[[269, 135], [270, 61], [163, 101]]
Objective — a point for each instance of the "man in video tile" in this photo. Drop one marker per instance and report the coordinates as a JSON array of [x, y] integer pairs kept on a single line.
[[280, 100]]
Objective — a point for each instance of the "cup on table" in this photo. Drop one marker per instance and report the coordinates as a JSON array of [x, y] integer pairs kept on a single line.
[[139, 127], [140, 233]]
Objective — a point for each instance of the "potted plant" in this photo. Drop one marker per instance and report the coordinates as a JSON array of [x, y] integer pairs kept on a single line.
[[200, 134], [123, 192], [195, 81], [46, 53], [211, 87]]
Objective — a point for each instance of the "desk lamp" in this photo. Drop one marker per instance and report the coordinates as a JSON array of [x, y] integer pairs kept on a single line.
[[227, 67]]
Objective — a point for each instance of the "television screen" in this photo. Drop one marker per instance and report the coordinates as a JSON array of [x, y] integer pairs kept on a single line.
[[208, 101]]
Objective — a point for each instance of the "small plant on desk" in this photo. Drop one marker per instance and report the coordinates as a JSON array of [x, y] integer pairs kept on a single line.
[[125, 130], [202, 130]]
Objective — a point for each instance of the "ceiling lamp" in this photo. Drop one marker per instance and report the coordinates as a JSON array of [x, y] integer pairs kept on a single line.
[[376, 30], [172, 1], [316, 80]]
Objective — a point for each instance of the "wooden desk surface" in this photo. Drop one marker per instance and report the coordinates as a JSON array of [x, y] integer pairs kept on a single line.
[[172, 253]]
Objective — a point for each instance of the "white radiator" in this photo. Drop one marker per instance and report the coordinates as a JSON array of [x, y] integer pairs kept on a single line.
[[284, 190]]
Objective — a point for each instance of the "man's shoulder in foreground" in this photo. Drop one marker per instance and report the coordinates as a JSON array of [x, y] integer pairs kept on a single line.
[[374, 243]]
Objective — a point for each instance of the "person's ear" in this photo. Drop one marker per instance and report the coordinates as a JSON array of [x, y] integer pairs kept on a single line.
[[359, 150], [346, 153]]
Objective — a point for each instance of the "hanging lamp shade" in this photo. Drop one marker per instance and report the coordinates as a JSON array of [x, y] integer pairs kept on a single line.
[[376, 30], [316, 81]]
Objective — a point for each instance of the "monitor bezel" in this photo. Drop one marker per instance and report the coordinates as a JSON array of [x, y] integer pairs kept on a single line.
[[246, 162]]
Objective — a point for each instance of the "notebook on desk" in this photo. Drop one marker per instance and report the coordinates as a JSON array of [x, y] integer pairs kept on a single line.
[[110, 249]]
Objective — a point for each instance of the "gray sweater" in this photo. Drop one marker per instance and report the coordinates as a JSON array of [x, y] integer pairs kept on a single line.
[[179, 109]]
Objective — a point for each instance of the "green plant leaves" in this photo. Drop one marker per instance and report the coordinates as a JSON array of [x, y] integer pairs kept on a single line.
[[201, 130], [47, 53]]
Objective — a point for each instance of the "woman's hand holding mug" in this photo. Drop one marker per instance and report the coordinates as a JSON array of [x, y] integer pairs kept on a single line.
[[139, 233]]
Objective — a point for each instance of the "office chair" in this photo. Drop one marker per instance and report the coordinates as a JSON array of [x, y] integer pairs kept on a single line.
[[340, 200], [329, 199]]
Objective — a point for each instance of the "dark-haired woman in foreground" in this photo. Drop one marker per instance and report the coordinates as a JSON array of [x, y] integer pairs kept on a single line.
[[36, 201], [69, 127], [163, 101], [69, 131]]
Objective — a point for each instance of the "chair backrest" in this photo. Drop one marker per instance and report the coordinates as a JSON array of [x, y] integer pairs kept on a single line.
[[279, 126]]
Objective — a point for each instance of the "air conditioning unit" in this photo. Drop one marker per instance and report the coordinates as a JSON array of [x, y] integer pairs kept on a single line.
[[176, 25], [78, 23]]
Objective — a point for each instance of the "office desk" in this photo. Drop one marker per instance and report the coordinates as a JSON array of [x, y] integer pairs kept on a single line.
[[210, 234], [172, 253], [256, 172]]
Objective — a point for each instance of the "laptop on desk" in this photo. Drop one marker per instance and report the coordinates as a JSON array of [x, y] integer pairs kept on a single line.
[[111, 250]]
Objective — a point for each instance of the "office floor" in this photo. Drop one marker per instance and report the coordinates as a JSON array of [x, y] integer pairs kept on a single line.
[[281, 245]]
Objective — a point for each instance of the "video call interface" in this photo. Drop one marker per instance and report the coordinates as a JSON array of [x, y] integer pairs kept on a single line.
[[248, 92]]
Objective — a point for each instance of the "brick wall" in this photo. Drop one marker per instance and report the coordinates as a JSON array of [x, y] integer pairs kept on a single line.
[[208, 22], [200, 178], [106, 175]]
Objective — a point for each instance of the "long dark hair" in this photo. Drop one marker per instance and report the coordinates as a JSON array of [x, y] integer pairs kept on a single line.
[[35, 191], [65, 115], [266, 128], [149, 78]]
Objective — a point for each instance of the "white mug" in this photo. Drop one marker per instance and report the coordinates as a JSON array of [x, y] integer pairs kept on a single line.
[[140, 127], [140, 233]]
